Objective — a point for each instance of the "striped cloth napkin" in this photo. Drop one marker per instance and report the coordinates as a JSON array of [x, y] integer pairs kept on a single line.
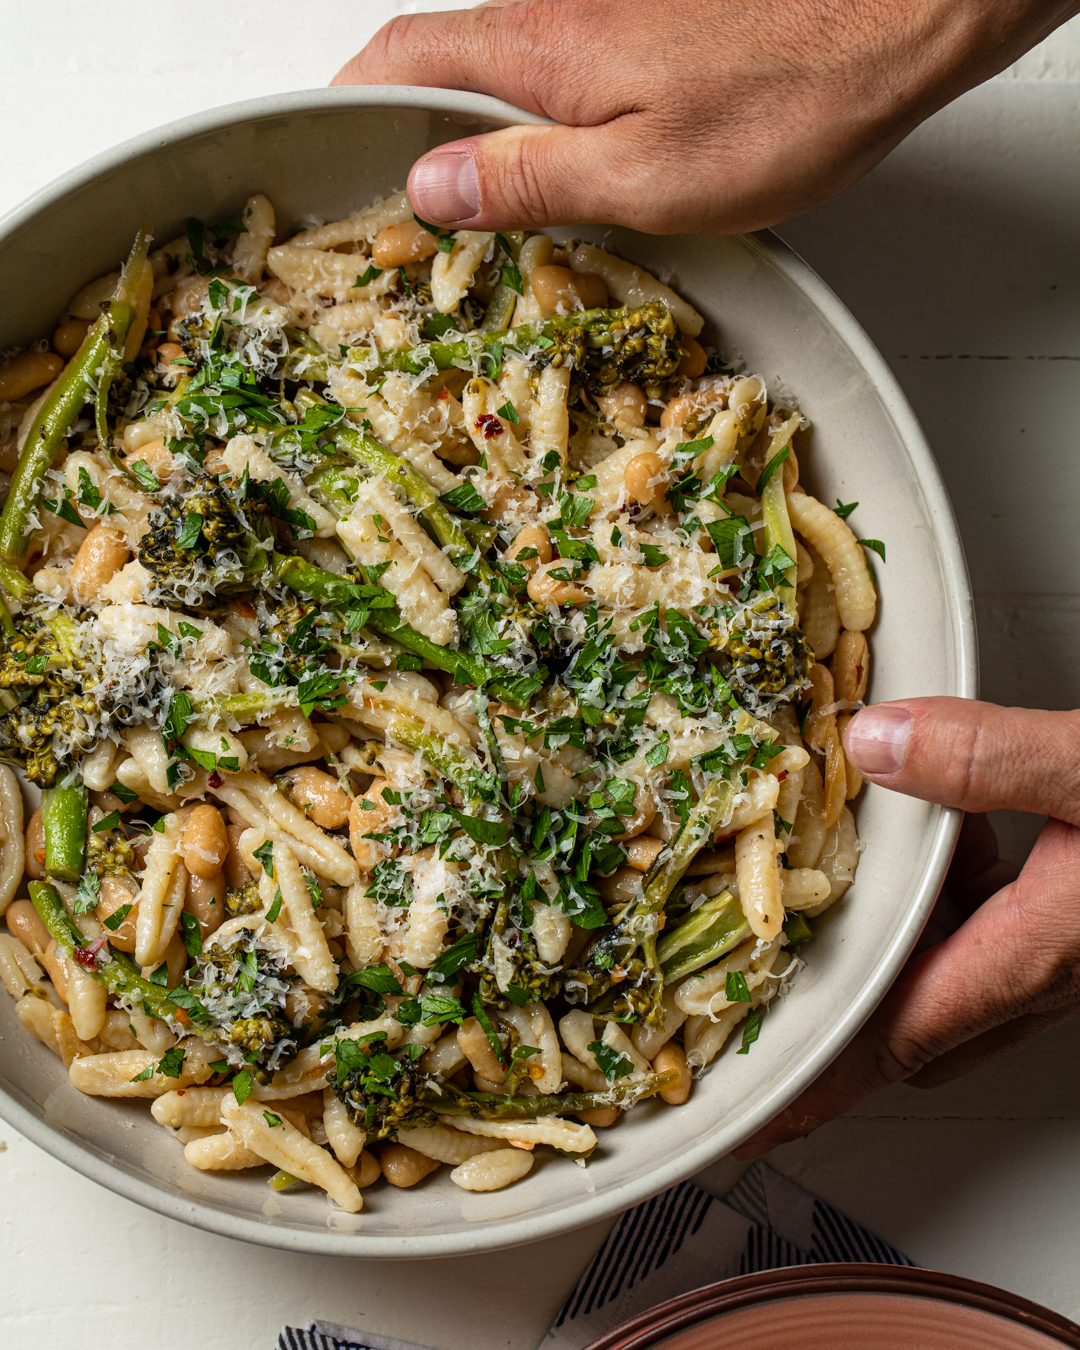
[[766, 1221]]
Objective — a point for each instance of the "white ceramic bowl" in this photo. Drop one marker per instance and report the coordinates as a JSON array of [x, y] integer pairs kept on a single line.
[[322, 154]]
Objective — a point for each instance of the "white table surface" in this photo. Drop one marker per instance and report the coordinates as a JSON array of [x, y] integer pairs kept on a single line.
[[961, 256]]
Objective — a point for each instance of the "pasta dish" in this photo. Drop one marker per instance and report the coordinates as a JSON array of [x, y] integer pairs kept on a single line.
[[433, 672]]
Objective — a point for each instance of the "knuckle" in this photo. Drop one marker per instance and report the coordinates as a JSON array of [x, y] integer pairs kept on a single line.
[[896, 1059], [521, 179], [396, 38]]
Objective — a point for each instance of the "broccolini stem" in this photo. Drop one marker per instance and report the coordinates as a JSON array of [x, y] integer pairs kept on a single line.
[[466, 667], [117, 972], [490, 1106], [134, 289], [103, 344], [774, 512], [632, 938], [13, 581], [408, 482], [443, 756], [63, 814], [243, 706], [797, 930], [711, 808], [50, 426], [500, 308], [308, 579], [412, 487], [54, 916], [7, 623], [330, 589], [388, 623], [709, 933]]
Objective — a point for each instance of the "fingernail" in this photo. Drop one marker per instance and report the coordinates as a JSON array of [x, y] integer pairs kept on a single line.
[[877, 738], [444, 187]]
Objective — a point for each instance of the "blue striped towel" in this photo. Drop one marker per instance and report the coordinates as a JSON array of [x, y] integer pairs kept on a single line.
[[766, 1221]]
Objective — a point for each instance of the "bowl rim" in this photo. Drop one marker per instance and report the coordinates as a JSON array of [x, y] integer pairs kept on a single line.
[[589, 1208]]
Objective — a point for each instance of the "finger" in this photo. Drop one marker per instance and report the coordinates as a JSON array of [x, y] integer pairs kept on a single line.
[[530, 177], [521, 53], [976, 871], [942, 923], [598, 166], [1016, 956], [975, 756], [984, 1049]]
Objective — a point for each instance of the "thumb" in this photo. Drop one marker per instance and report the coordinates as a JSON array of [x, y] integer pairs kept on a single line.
[[527, 177], [971, 755]]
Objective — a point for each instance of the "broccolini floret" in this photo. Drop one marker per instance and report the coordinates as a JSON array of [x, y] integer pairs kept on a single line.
[[243, 899], [380, 1092], [197, 544], [110, 854], [242, 985], [639, 345], [26, 657], [769, 653], [509, 959], [49, 715], [603, 346]]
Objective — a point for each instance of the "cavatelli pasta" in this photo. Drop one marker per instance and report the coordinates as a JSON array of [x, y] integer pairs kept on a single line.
[[430, 688]]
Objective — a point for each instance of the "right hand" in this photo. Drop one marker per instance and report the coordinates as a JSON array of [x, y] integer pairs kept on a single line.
[[705, 115], [1012, 969]]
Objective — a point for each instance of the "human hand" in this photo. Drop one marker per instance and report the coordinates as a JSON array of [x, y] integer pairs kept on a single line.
[[1013, 968], [706, 115]]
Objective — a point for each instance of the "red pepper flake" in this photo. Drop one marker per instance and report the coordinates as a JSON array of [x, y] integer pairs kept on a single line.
[[490, 425], [245, 609], [87, 956], [215, 779]]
